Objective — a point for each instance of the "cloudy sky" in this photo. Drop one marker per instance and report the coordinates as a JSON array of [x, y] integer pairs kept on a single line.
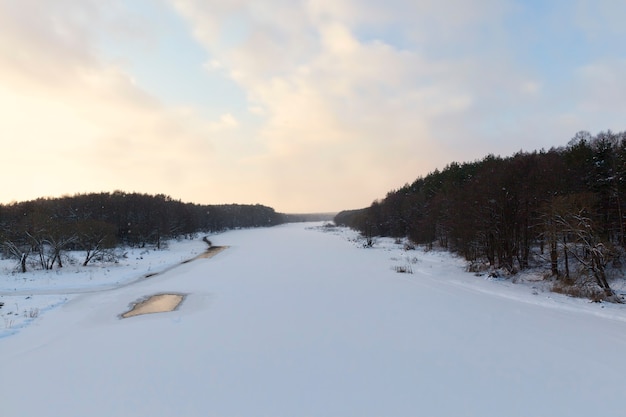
[[314, 105]]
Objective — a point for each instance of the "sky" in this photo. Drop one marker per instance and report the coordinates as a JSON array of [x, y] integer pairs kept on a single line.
[[305, 106]]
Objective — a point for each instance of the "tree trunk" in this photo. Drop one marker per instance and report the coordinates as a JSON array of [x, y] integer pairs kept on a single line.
[[566, 258], [599, 272], [554, 258]]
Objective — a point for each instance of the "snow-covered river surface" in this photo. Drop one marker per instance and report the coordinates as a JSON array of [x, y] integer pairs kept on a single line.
[[293, 321]]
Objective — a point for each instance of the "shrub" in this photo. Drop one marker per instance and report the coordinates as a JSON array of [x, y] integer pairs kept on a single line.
[[403, 269]]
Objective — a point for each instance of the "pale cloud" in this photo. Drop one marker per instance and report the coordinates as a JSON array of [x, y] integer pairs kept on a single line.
[[340, 113], [213, 65], [600, 89], [226, 121], [339, 101], [73, 122], [531, 88], [597, 17]]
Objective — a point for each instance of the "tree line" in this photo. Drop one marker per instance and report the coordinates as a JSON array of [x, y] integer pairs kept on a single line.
[[41, 230], [563, 208]]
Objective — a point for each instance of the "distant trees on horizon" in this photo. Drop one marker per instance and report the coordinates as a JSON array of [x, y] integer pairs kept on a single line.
[[44, 228], [568, 203]]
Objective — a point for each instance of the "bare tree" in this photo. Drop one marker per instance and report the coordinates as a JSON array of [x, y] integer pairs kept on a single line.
[[97, 239], [17, 252], [57, 244], [596, 254], [570, 229]]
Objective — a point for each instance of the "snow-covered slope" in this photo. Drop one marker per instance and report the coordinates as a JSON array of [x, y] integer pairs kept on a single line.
[[24, 297], [292, 321]]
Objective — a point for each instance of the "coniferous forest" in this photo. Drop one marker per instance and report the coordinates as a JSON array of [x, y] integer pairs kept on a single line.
[[41, 230], [562, 209]]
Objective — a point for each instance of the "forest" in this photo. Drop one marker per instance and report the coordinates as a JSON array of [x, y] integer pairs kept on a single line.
[[39, 232], [561, 209]]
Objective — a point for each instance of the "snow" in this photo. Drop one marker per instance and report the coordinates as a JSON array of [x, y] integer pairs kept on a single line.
[[300, 320], [26, 296]]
